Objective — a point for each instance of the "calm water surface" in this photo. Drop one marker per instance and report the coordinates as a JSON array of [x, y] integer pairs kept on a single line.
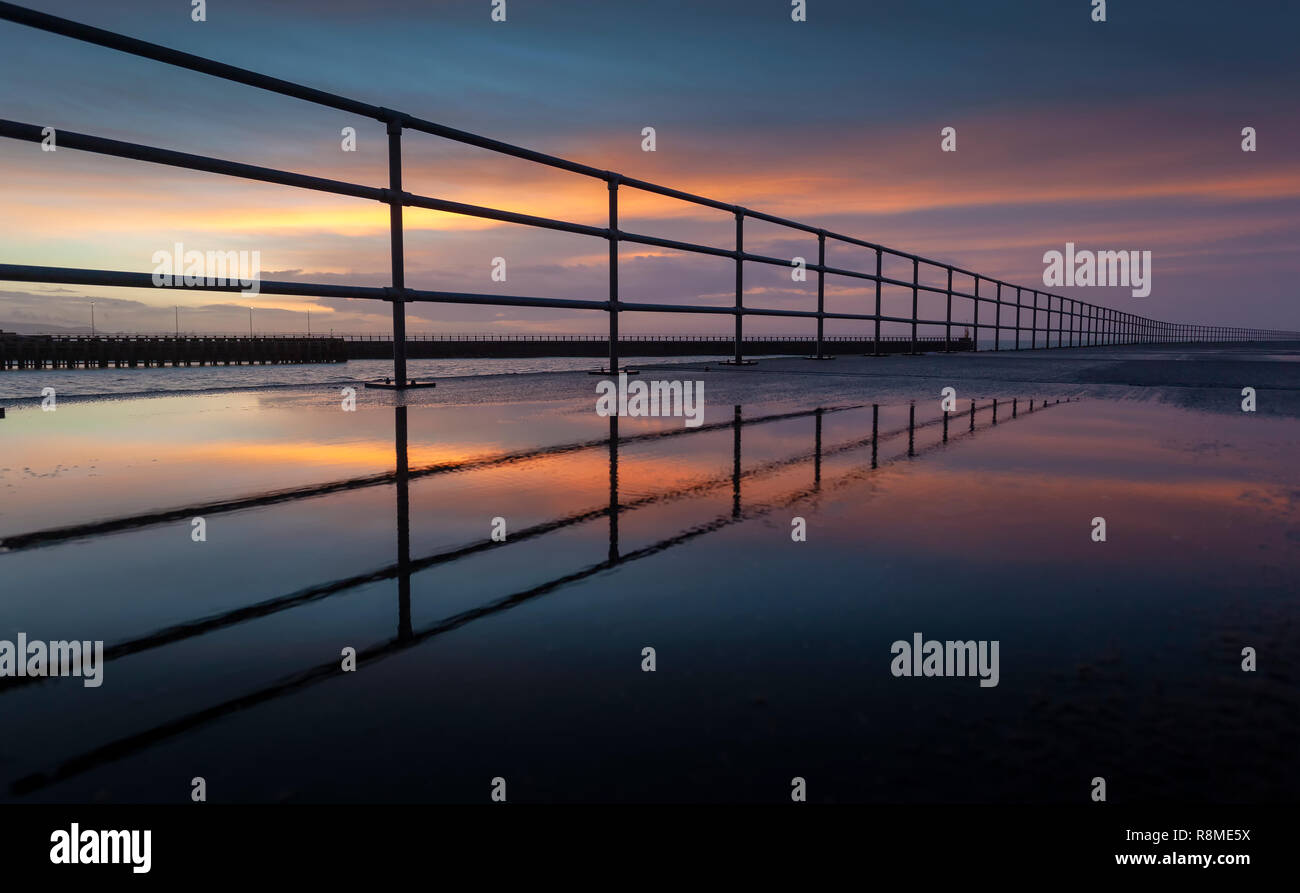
[[371, 529]]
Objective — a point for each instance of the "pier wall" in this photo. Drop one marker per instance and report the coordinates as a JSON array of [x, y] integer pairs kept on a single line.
[[131, 351]]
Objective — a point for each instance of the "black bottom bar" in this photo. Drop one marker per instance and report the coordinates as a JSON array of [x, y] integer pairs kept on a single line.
[[990, 843]]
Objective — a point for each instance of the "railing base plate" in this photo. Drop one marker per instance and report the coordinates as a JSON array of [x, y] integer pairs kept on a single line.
[[391, 386]]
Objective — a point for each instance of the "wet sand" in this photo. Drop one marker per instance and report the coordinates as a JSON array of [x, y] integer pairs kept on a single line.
[[523, 658]]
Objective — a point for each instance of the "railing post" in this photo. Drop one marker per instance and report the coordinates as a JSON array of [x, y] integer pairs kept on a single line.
[[740, 282], [975, 325], [947, 318], [613, 273], [821, 291], [398, 254], [916, 281], [1017, 317], [997, 318], [1033, 325], [875, 350]]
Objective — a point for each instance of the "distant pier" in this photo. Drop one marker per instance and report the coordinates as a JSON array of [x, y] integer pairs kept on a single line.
[[146, 351], [134, 351]]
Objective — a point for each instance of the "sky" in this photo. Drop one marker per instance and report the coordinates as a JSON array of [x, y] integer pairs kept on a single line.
[[1116, 135]]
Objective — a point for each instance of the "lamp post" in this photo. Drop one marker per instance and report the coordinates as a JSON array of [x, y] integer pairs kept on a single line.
[[92, 319]]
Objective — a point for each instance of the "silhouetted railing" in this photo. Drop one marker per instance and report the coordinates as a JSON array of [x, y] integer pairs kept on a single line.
[[1072, 322], [452, 337]]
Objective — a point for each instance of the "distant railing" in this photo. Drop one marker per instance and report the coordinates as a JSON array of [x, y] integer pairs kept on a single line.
[[1072, 322], [451, 336]]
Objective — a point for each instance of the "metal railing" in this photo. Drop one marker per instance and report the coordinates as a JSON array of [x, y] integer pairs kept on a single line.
[[1072, 322], [446, 336]]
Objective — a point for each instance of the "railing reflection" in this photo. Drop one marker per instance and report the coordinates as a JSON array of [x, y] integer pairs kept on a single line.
[[405, 567]]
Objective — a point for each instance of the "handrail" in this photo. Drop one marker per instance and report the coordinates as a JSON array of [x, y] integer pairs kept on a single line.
[[1084, 324]]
